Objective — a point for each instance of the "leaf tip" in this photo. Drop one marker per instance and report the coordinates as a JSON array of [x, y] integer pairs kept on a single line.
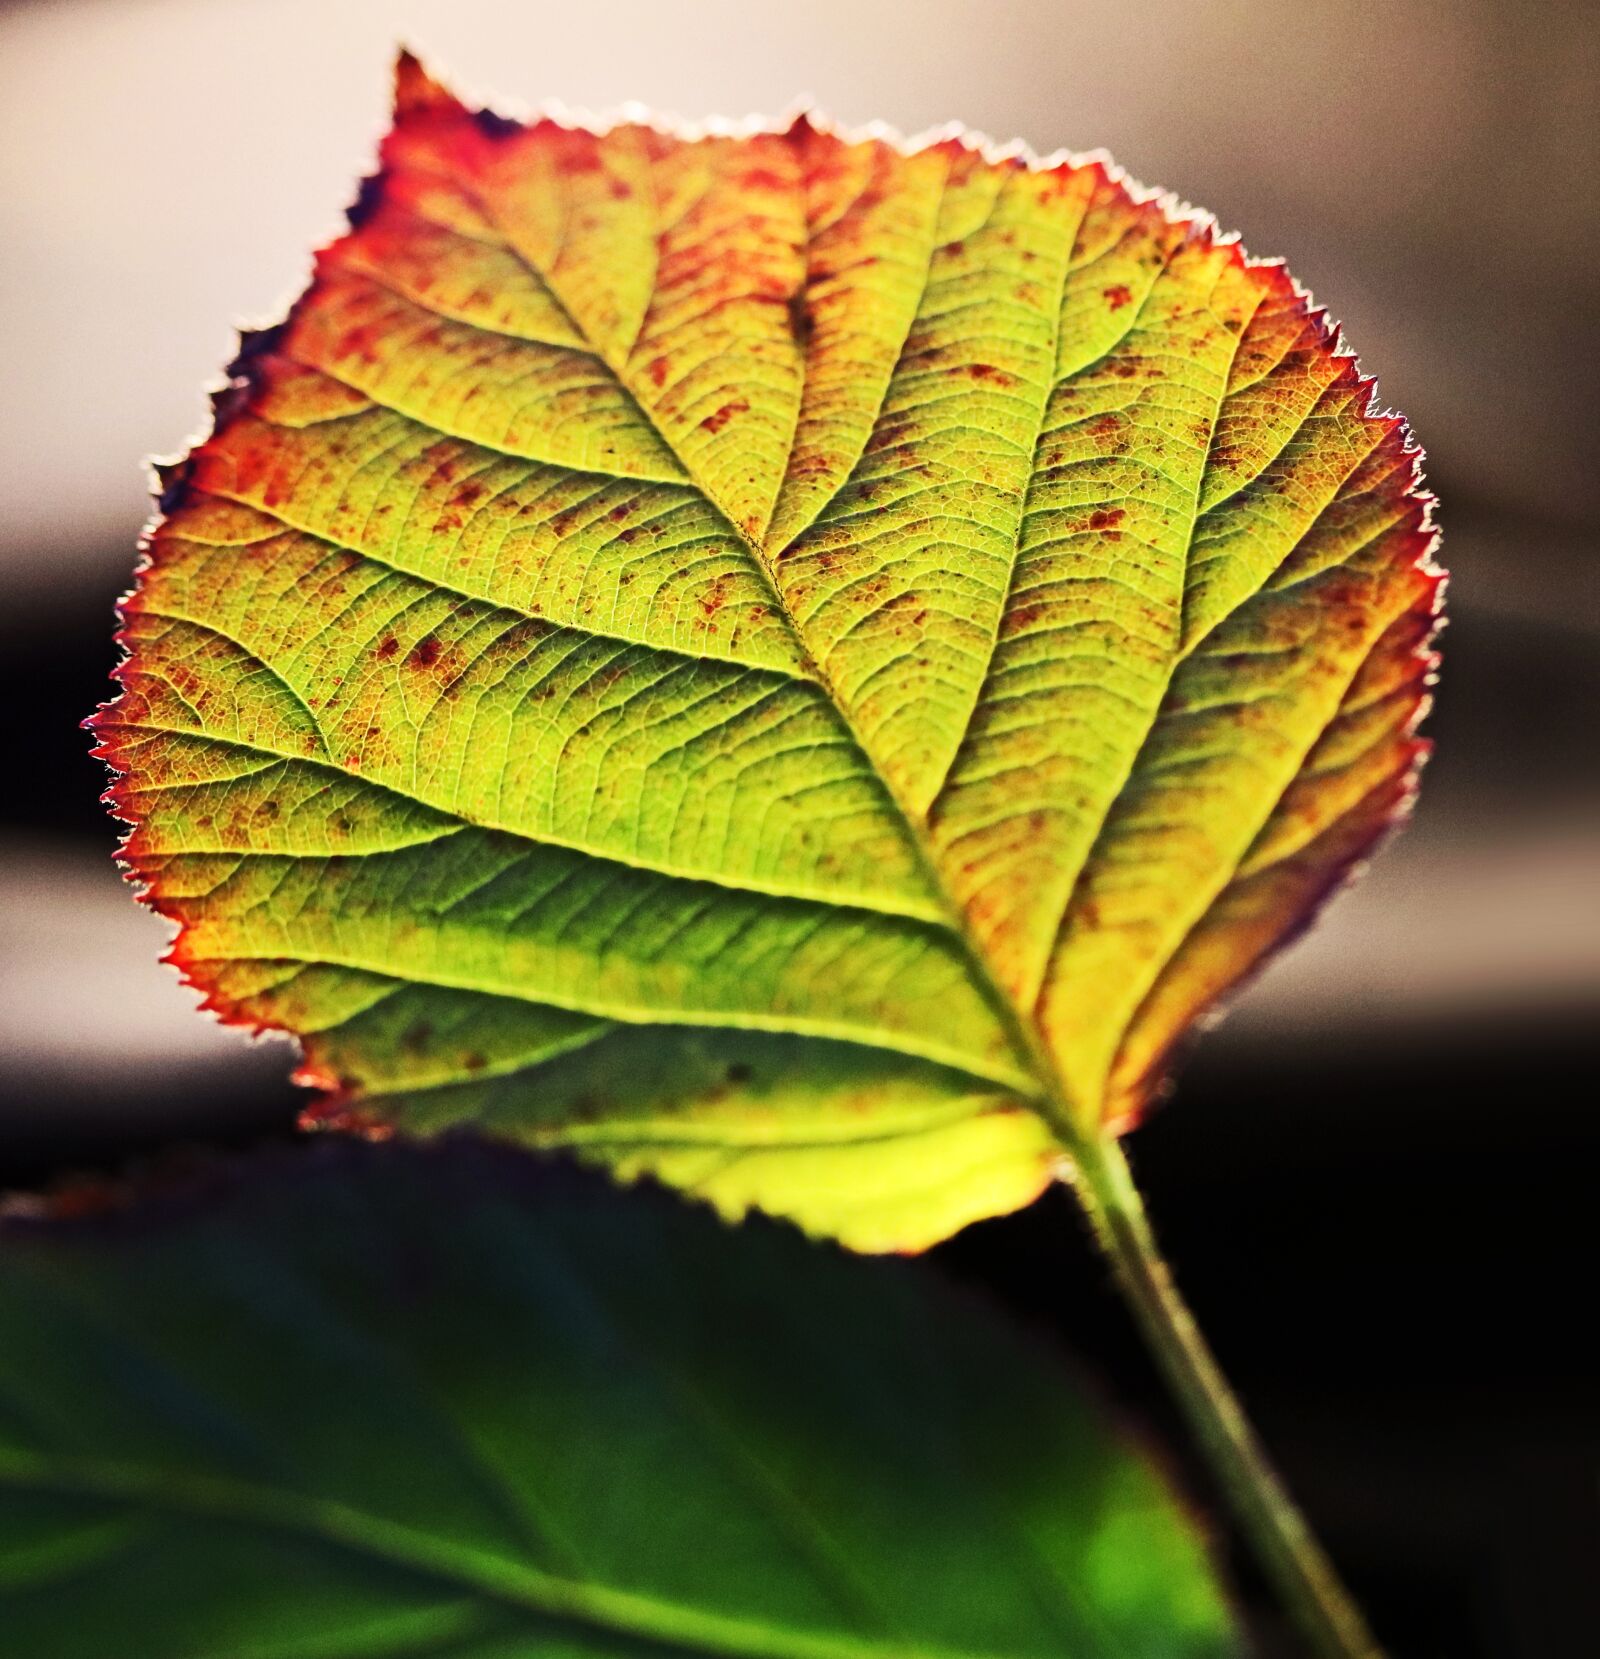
[[416, 92]]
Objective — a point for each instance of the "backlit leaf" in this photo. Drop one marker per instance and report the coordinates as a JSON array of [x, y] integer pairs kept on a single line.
[[441, 1402], [773, 659]]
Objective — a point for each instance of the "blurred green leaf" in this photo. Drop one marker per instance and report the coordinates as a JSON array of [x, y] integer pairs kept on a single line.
[[362, 1402]]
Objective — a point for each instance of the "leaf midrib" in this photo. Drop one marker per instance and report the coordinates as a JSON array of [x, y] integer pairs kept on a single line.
[[1049, 1094], [492, 1578]]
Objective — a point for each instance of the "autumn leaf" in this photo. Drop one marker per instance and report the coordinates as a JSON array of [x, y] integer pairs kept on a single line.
[[447, 1401], [782, 661]]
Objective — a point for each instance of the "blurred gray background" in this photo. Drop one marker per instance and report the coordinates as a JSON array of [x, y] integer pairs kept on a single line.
[[1390, 1143]]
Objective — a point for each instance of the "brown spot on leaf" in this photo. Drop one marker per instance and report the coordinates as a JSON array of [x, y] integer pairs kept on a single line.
[[719, 418], [714, 598], [801, 323]]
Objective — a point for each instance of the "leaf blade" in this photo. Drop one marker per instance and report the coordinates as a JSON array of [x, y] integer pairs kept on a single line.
[[504, 1403], [977, 637]]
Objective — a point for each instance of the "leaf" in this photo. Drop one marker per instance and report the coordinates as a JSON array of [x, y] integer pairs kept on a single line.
[[447, 1401], [775, 660]]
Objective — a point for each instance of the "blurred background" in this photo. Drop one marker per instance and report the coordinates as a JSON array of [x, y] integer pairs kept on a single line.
[[1377, 1177]]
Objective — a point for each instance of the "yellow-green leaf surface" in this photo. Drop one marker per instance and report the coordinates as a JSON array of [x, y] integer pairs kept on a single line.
[[774, 659]]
